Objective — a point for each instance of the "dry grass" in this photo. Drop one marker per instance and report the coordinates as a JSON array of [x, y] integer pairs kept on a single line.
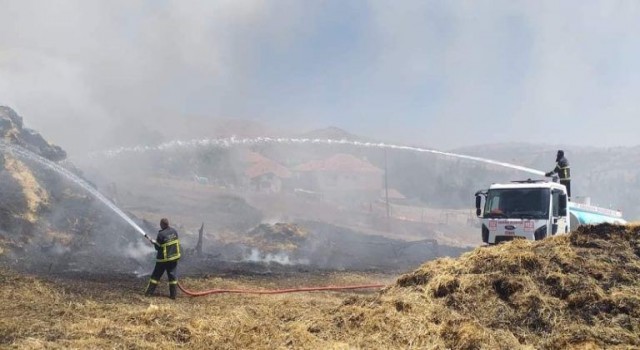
[[114, 314], [35, 196], [577, 291]]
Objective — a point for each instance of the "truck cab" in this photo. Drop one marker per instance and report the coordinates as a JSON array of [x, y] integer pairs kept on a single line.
[[535, 209]]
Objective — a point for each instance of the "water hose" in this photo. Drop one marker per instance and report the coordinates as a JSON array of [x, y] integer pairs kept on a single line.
[[277, 291]]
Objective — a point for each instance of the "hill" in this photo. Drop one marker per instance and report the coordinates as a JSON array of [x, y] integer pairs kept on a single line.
[[42, 214], [333, 133]]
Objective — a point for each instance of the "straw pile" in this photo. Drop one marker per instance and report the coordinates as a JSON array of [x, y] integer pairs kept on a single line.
[[580, 290]]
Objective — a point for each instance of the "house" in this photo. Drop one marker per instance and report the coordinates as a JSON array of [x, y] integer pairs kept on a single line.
[[263, 174], [393, 195], [341, 175]]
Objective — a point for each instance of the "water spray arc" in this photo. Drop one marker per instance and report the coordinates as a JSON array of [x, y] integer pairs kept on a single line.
[[232, 141], [25, 154]]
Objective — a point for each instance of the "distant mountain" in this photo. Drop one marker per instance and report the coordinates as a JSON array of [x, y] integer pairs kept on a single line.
[[331, 132], [221, 127]]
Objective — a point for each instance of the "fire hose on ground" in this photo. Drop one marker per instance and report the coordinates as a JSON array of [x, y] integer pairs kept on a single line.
[[277, 291]]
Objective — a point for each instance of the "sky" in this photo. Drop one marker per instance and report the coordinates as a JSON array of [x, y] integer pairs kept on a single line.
[[443, 74]]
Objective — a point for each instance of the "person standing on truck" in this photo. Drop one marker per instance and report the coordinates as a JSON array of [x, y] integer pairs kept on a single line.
[[563, 170], [167, 247]]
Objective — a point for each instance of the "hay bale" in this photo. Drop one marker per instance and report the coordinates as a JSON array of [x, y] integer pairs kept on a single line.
[[564, 292]]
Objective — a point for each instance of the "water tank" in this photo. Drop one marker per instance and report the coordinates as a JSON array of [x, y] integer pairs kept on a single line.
[[584, 215]]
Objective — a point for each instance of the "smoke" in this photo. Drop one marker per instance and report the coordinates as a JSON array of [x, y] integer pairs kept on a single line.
[[139, 251], [58, 249], [124, 68], [494, 68], [131, 72], [281, 258]]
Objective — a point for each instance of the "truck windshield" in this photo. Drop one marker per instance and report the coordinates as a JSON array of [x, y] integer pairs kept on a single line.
[[521, 203]]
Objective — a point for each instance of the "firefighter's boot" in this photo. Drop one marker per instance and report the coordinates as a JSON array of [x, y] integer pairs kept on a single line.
[[151, 288], [173, 291]]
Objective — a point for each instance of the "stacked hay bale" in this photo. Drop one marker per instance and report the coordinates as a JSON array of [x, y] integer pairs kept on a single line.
[[581, 290]]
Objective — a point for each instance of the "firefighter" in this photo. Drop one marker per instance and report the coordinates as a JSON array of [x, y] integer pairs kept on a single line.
[[563, 170], [167, 246]]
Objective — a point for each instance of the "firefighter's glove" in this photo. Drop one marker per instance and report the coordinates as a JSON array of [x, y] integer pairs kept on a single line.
[[548, 174], [153, 241]]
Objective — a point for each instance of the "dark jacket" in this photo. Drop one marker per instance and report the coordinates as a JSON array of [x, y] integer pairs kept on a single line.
[[563, 169], [168, 245]]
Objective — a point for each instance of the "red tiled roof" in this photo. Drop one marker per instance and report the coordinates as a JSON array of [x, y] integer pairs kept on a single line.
[[345, 163], [258, 165], [393, 194]]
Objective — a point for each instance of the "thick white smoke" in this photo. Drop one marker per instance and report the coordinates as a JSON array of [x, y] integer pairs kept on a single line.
[[443, 73]]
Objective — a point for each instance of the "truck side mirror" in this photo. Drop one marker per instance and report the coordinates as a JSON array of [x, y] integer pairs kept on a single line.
[[562, 208], [478, 202]]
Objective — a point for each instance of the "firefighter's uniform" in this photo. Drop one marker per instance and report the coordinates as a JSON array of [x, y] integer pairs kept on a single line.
[[564, 172], [168, 253]]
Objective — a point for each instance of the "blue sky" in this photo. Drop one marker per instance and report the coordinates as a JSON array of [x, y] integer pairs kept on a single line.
[[442, 74]]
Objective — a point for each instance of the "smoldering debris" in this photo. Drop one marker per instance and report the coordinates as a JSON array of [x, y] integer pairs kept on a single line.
[[323, 246], [265, 249], [281, 258]]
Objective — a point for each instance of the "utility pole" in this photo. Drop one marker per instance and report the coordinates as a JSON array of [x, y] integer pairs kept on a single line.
[[200, 236], [386, 189]]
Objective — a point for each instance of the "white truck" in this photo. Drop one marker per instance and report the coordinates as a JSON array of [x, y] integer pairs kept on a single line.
[[534, 209]]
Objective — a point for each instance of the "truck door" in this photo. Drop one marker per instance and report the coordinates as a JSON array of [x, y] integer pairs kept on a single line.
[[559, 223]]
